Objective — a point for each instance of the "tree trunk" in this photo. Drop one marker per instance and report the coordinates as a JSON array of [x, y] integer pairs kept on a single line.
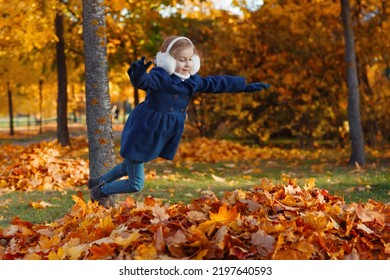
[[136, 97], [124, 109], [135, 58], [62, 100], [99, 121], [355, 126], [10, 110], [40, 106]]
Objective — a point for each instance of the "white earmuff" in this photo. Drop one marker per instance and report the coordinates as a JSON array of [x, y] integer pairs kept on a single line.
[[195, 64], [166, 61]]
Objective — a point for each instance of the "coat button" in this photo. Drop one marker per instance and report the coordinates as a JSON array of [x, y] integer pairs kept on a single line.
[[187, 97], [176, 96], [181, 110], [170, 109]]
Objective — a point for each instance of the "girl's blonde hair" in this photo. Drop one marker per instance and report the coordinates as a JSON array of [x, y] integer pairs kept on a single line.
[[178, 46]]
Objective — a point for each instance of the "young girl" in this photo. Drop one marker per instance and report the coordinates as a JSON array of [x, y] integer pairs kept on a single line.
[[155, 126]]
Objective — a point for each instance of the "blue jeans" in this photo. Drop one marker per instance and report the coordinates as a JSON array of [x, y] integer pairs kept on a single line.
[[133, 169]]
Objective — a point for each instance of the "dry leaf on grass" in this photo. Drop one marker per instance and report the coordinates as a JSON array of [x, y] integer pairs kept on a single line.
[[42, 204]]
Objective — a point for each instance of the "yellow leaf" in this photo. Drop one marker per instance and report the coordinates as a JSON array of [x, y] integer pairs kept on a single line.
[[42, 204], [145, 252], [106, 223], [72, 249], [32, 256], [54, 256], [61, 254], [3, 183], [128, 240], [310, 184], [201, 254]]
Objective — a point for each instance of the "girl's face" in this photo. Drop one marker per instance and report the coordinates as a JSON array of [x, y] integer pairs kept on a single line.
[[184, 61]]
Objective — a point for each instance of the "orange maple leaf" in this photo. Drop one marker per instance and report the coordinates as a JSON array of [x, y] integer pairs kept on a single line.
[[102, 251], [224, 216]]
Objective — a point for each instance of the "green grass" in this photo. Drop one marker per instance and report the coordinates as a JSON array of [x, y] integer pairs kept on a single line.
[[17, 204]]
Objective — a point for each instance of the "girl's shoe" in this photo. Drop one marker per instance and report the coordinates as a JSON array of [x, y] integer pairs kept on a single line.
[[96, 193], [93, 182]]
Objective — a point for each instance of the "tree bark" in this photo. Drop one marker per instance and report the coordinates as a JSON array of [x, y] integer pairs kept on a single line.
[[62, 99], [136, 97], [355, 126], [99, 121], [10, 110], [135, 58], [40, 106]]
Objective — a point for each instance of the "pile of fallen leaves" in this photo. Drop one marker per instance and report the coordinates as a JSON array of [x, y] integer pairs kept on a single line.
[[43, 166], [214, 150], [270, 221]]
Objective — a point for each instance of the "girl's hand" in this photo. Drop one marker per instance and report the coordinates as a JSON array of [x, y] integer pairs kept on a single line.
[[256, 87], [138, 68]]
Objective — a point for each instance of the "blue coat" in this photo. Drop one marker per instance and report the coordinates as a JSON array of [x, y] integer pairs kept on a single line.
[[155, 126]]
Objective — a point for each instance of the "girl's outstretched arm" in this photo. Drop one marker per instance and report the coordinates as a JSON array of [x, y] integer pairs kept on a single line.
[[227, 84]]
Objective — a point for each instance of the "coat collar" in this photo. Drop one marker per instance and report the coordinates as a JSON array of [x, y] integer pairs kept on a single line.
[[182, 77], [176, 79]]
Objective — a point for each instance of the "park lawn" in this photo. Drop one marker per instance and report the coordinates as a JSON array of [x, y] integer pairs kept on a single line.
[[175, 182]]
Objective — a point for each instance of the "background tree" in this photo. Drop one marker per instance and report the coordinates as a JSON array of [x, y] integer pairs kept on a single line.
[[372, 32], [355, 127], [99, 122], [62, 98], [11, 110]]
